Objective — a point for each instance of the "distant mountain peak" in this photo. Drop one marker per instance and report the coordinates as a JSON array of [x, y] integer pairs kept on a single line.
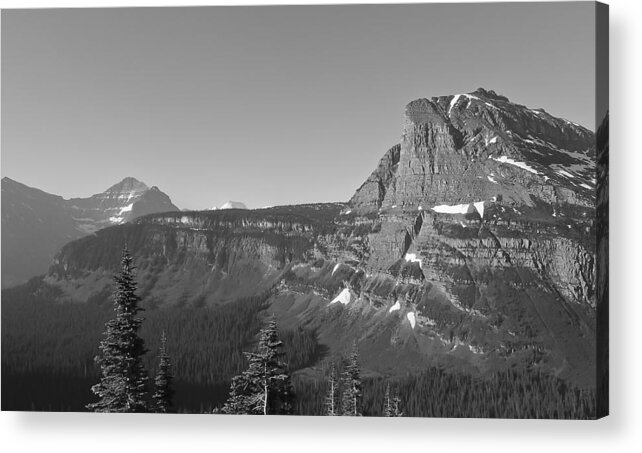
[[233, 205], [128, 184], [131, 180], [36, 223]]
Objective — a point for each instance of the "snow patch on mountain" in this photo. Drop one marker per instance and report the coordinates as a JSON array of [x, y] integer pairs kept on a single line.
[[470, 97], [453, 102], [523, 165], [126, 209], [412, 319], [490, 141], [453, 209], [467, 208], [344, 297], [564, 173], [412, 258], [480, 208], [395, 307]]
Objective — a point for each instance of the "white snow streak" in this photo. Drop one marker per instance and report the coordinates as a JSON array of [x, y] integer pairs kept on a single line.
[[491, 179], [126, 208], [508, 160], [565, 173], [454, 209], [453, 102], [395, 307], [335, 268], [470, 97]]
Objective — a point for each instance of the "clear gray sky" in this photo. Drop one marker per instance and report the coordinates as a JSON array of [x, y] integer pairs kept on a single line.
[[266, 105]]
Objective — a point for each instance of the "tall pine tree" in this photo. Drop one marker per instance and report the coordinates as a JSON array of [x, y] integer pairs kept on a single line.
[[123, 383], [396, 406], [331, 398], [387, 403], [351, 398], [265, 387], [163, 389], [392, 405]]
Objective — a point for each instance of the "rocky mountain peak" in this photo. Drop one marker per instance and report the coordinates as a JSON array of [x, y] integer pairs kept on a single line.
[[489, 94], [478, 147], [128, 184]]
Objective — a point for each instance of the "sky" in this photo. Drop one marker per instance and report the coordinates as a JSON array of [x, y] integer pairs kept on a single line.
[[267, 105]]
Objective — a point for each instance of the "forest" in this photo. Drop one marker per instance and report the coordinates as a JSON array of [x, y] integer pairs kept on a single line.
[[48, 352]]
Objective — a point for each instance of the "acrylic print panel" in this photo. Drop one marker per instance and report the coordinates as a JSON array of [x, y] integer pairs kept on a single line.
[[335, 220]]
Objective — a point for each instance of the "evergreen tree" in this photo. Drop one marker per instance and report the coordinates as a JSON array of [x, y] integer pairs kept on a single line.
[[265, 387], [391, 406], [387, 404], [163, 389], [331, 399], [123, 384], [396, 406], [351, 398], [237, 403]]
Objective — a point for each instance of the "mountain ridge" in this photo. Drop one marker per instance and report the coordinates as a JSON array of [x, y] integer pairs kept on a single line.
[[35, 223]]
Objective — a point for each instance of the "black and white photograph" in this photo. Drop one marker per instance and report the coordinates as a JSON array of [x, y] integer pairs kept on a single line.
[[390, 210]]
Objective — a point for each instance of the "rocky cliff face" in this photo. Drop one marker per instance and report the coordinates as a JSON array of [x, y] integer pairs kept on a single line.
[[471, 246], [36, 224]]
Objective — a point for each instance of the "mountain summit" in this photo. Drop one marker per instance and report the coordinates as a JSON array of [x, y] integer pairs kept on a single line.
[[35, 224]]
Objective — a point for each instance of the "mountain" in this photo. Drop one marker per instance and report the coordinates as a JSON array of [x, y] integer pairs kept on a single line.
[[230, 205], [35, 224], [470, 248]]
